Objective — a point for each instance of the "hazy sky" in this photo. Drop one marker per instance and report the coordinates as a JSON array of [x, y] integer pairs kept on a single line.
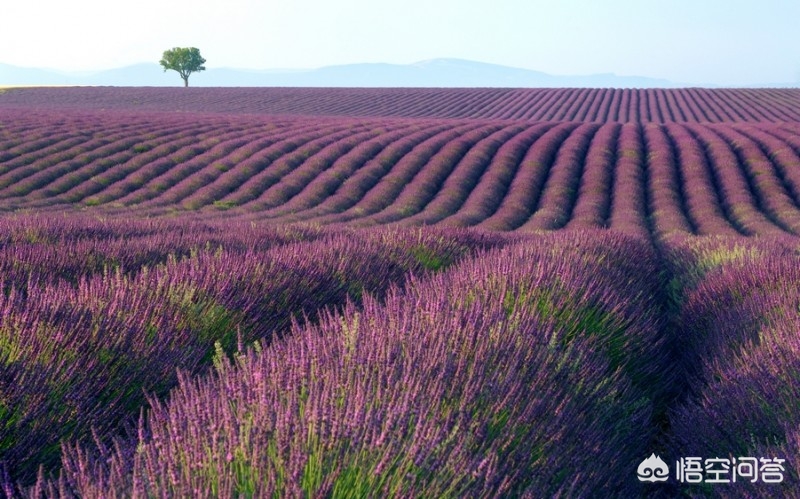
[[726, 42]]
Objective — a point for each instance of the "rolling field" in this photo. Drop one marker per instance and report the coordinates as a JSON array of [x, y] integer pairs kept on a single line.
[[398, 292], [728, 178]]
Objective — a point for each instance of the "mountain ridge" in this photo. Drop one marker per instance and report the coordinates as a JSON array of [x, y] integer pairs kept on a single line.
[[442, 72]]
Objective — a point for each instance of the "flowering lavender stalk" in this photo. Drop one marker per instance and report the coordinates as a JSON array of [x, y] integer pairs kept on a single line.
[[426, 394], [78, 354]]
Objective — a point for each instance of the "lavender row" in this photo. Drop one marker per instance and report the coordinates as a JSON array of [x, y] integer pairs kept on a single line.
[[426, 394], [80, 357], [560, 190], [782, 155], [188, 176], [592, 208], [522, 196], [294, 181], [485, 198], [448, 173], [371, 190], [345, 191], [629, 208], [249, 161], [174, 176], [774, 194], [255, 183], [113, 180], [702, 199], [739, 316], [115, 146], [382, 149], [665, 187], [47, 249], [331, 162], [735, 192], [462, 179]]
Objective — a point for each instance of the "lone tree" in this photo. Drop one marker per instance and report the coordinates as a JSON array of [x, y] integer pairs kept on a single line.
[[183, 60]]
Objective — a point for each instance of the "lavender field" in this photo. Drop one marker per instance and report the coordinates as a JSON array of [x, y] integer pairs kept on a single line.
[[398, 292]]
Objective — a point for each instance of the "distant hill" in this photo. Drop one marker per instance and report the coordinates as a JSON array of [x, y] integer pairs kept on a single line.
[[432, 73]]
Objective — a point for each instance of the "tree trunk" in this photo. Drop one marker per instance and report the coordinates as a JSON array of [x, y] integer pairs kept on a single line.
[[186, 81]]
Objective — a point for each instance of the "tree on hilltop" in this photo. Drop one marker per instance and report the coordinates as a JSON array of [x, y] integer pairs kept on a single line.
[[184, 60]]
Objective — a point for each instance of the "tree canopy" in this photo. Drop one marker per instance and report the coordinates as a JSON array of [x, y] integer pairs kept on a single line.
[[184, 60]]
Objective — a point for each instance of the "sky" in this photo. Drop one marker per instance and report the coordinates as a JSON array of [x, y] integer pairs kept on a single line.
[[714, 42]]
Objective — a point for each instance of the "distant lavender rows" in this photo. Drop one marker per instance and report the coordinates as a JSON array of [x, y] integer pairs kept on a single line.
[[506, 365], [695, 105], [659, 179]]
